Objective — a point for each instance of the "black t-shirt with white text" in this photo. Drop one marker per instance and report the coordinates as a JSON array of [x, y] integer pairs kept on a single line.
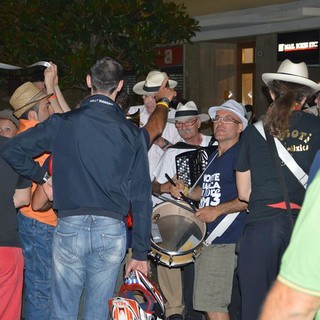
[[302, 142]]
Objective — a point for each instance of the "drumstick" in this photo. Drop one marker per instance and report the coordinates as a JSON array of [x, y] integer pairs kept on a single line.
[[171, 200], [185, 198]]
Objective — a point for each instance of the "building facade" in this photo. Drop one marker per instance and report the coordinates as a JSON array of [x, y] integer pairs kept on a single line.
[[238, 42]]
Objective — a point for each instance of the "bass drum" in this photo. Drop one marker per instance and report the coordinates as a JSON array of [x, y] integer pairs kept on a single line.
[[177, 235]]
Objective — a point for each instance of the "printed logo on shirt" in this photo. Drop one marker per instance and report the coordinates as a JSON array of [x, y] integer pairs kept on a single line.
[[301, 141], [100, 101], [211, 190]]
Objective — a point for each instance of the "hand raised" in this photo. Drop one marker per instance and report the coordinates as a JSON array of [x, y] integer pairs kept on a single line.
[[165, 92]]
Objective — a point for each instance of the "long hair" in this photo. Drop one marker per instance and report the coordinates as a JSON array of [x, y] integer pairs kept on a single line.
[[287, 96]]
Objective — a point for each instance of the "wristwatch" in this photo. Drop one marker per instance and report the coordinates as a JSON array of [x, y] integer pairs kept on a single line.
[[165, 100], [165, 143], [45, 178]]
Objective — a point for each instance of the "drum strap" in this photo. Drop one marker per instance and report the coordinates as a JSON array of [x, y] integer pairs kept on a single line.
[[221, 227]]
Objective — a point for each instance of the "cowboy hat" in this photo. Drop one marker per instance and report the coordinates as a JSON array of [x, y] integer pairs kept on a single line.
[[291, 72], [231, 106], [7, 114], [25, 97], [187, 111], [152, 84]]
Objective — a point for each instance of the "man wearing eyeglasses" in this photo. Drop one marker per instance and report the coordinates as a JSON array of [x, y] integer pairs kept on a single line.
[[188, 121], [223, 213]]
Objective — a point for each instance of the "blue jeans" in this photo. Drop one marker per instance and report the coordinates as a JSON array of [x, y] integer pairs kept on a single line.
[[36, 239], [87, 253]]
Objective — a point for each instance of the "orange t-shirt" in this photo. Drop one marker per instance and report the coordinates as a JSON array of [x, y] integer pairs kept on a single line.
[[48, 217]]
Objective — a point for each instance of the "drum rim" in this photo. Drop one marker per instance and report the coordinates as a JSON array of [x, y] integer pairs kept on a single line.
[[175, 253]]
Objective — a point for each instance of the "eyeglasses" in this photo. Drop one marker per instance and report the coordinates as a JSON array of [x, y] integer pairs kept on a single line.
[[186, 124], [226, 119]]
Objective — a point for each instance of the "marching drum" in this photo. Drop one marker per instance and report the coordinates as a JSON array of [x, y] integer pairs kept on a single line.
[[177, 235]]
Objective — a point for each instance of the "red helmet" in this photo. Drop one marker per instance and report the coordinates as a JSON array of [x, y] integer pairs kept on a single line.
[[127, 307]]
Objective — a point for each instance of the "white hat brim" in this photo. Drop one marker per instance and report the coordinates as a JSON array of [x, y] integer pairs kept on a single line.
[[268, 77], [202, 116], [138, 88]]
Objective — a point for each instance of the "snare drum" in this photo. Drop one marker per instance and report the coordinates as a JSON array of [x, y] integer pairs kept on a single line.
[[177, 235]]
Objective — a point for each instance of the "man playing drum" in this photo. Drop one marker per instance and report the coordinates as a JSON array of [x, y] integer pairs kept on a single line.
[[188, 122], [219, 208]]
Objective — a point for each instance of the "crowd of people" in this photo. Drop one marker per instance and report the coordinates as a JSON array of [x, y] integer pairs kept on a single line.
[[72, 178]]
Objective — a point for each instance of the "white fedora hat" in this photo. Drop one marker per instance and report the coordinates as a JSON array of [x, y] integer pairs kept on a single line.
[[187, 111], [291, 72], [152, 84], [231, 106]]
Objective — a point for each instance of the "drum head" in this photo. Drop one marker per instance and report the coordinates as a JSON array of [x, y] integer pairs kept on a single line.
[[176, 230]]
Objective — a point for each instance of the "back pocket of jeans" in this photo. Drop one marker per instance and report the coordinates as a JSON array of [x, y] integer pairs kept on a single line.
[[64, 247], [114, 247]]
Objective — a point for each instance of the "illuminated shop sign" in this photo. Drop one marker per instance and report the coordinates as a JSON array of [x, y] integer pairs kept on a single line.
[[299, 46]]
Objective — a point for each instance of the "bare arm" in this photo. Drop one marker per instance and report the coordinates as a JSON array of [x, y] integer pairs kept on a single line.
[[285, 303], [209, 214], [196, 193], [63, 103], [58, 101], [244, 185], [22, 197], [157, 120], [160, 188], [40, 200], [42, 197], [181, 187], [50, 78]]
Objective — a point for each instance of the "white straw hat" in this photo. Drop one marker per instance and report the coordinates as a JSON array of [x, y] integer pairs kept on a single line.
[[187, 111], [152, 84], [291, 72]]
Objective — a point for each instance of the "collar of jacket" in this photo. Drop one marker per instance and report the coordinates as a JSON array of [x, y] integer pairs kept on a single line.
[[100, 100]]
